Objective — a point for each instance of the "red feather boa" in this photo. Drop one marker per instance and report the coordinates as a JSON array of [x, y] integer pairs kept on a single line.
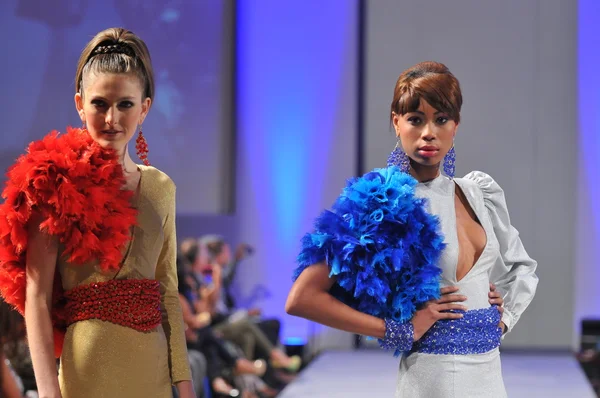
[[76, 186]]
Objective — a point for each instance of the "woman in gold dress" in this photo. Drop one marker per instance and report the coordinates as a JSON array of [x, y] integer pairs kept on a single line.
[[92, 235]]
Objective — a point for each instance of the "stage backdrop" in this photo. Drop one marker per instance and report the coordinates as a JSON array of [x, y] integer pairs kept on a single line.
[[517, 65]]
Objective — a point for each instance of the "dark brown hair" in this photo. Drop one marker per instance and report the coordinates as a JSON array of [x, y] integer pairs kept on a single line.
[[190, 253], [431, 81], [215, 248], [116, 50]]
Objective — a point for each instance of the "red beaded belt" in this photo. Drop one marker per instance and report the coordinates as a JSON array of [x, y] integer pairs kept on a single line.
[[134, 303]]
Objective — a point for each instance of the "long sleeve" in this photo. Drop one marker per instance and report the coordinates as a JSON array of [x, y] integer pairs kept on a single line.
[[166, 274], [514, 275]]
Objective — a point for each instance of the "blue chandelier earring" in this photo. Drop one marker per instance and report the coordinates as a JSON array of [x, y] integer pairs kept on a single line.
[[399, 158], [450, 162]]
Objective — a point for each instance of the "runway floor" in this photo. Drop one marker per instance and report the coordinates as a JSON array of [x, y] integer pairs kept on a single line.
[[372, 374]]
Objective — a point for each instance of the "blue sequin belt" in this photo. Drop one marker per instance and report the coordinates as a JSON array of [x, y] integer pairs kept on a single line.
[[477, 332]]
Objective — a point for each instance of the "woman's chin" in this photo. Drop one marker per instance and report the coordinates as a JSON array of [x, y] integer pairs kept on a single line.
[[110, 144], [428, 162]]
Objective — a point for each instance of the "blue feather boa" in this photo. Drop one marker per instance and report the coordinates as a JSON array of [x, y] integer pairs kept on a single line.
[[380, 243]]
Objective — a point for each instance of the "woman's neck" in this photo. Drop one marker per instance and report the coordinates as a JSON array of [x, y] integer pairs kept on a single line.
[[126, 162], [424, 173]]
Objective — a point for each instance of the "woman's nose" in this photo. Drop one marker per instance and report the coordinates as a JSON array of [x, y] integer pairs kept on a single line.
[[428, 133], [110, 116]]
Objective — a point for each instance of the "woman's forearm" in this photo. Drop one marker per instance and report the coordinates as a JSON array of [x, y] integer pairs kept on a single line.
[[41, 343], [185, 389], [322, 307], [42, 254], [212, 297], [213, 294]]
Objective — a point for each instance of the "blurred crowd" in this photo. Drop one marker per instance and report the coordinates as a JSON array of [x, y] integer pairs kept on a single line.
[[233, 351]]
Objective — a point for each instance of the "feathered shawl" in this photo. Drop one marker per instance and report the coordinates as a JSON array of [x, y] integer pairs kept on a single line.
[[75, 186], [380, 243]]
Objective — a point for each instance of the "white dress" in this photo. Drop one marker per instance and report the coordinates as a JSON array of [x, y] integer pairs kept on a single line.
[[504, 262]]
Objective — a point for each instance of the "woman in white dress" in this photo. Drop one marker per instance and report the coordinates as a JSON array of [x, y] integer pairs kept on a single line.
[[449, 343]]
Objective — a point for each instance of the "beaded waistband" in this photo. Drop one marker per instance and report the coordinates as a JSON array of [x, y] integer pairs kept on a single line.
[[134, 303], [476, 333]]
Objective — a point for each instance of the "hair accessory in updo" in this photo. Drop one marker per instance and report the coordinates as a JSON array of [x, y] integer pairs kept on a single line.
[[118, 48]]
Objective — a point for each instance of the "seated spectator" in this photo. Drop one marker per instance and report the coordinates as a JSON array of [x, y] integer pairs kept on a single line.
[[11, 386], [12, 333], [212, 252], [200, 337], [199, 369]]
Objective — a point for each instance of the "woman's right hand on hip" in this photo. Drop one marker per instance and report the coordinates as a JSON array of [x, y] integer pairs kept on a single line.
[[435, 310]]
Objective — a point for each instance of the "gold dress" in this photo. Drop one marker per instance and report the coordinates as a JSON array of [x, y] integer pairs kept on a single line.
[[105, 360]]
